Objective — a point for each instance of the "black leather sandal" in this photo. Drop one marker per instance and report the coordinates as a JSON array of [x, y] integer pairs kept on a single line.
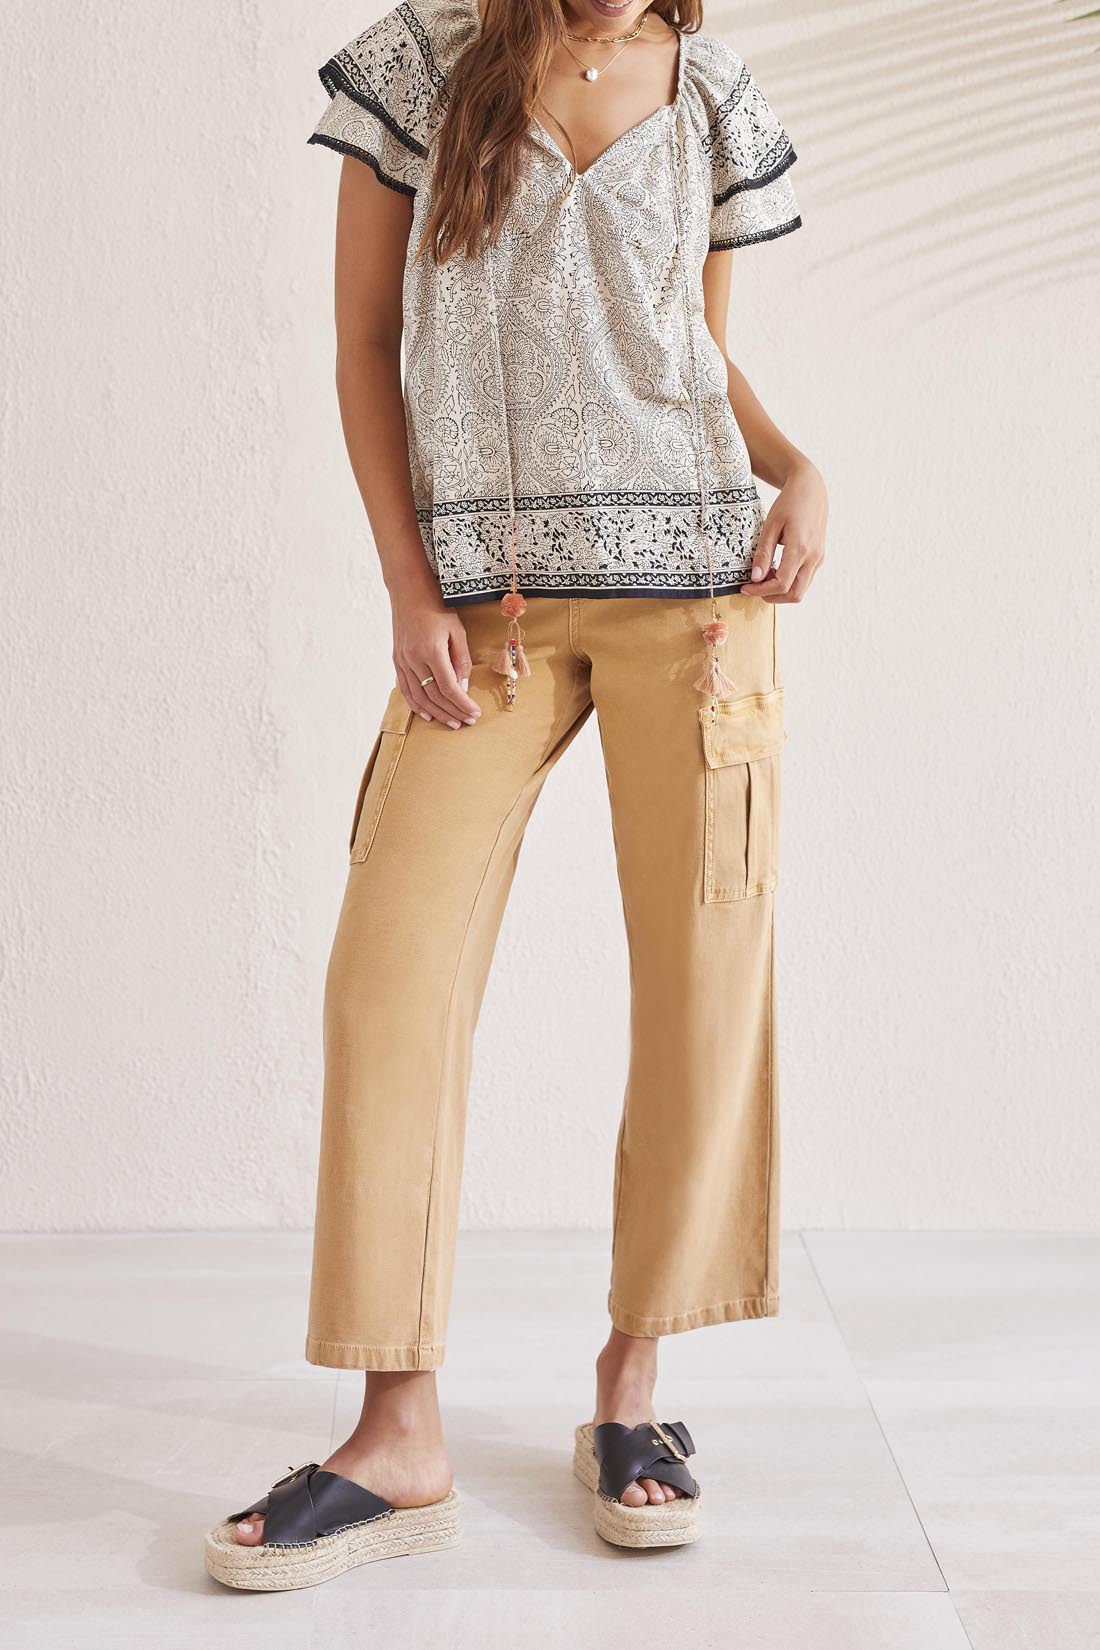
[[609, 1457], [317, 1525]]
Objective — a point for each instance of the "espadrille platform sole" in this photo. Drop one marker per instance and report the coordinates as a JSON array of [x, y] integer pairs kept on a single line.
[[673, 1524], [394, 1534]]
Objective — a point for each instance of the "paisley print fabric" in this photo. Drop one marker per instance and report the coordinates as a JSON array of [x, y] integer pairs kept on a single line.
[[568, 373]]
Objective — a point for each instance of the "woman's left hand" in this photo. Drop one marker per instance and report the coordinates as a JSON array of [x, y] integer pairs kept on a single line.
[[797, 522]]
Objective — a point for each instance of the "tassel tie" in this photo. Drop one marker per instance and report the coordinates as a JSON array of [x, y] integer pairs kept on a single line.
[[511, 661], [714, 682]]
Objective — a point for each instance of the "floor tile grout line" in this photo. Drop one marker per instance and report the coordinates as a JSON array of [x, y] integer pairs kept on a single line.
[[959, 1619], [310, 1642], [807, 1251]]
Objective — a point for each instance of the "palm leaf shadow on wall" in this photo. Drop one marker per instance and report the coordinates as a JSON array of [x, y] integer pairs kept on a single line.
[[966, 135]]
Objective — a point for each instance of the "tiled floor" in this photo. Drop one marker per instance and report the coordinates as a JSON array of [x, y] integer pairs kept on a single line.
[[908, 1458]]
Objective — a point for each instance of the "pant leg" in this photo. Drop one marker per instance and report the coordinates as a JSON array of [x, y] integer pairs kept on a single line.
[[695, 814], [439, 825]]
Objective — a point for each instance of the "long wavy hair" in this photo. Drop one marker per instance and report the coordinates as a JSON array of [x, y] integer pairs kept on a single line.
[[496, 84]]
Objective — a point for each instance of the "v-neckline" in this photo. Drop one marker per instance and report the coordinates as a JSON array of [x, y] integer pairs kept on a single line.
[[631, 131]]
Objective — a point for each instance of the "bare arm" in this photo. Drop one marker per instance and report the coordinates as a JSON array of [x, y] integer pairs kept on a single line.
[[372, 235], [798, 516]]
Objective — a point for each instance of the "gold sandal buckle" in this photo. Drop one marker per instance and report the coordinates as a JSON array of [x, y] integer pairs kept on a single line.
[[663, 1437]]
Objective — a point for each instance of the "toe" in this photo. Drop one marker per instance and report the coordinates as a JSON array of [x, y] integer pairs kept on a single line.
[[653, 1490], [671, 1492], [634, 1496], [250, 1531]]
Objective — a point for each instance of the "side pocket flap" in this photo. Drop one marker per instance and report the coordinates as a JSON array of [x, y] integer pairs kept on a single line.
[[743, 729], [379, 771], [398, 717]]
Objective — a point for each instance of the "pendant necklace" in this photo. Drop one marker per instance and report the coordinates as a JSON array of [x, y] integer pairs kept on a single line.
[[590, 72]]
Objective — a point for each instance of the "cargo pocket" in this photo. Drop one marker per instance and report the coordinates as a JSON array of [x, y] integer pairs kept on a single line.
[[378, 775], [741, 745]]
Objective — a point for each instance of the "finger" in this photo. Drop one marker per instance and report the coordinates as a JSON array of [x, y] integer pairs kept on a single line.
[[414, 693], [799, 585], [446, 681], [441, 712], [804, 577], [409, 691], [434, 692], [461, 662], [789, 563], [766, 546]]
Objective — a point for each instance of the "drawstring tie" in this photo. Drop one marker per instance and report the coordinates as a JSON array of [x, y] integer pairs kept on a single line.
[[511, 661], [713, 682]]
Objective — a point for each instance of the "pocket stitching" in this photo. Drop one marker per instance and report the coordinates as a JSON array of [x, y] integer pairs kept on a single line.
[[715, 892], [359, 853]]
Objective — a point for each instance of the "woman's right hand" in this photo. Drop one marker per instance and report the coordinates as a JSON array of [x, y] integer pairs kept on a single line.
[[429, 640]]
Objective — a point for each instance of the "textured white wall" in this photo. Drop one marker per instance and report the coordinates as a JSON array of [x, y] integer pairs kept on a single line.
[[197, 645]]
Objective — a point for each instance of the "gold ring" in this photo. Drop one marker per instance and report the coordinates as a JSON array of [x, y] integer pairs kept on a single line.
[[426, 680]]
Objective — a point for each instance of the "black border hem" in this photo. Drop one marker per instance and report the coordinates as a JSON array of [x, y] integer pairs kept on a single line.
[[335, 79], [691, 593], [744, 184], [761, 235], [364, 155]]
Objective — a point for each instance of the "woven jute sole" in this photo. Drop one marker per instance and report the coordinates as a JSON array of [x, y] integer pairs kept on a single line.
[[276, 1569], [675, 1524]]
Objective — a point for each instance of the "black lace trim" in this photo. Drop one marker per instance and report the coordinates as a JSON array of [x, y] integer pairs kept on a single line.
[[584, 501], [760, 235], [343, 148], [684, 592], [335, 79], [760, 182]]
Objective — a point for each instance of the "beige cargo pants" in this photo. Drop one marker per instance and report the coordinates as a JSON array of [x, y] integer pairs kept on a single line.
[[435, 839]]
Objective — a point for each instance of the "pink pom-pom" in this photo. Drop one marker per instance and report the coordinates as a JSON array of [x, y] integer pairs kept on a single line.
[[716, 632], [513, 606]]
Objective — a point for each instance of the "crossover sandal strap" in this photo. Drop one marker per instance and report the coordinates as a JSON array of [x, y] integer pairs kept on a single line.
[[654, 1450], [310, 1502]]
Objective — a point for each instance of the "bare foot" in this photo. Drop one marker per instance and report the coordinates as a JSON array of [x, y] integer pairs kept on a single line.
[[396, 1450], [626, 1373]]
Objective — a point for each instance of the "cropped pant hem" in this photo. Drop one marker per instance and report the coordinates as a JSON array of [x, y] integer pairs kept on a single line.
[[751, 1306], [353, 1355]]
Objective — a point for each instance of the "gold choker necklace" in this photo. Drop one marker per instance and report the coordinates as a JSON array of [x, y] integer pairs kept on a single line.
[[609, 39]]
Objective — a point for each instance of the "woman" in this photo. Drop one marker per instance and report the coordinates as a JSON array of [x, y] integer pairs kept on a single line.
[[562, 498]]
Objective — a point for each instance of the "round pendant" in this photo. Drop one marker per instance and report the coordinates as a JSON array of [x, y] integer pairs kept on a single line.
[[591, 74]]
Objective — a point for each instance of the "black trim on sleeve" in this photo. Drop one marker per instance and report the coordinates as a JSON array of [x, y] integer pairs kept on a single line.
[[761, 235], [757, 183], [343, 148], [334, 79]]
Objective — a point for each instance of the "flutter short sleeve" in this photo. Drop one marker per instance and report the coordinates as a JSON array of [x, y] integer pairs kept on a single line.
[[383, 87], [751, 156]]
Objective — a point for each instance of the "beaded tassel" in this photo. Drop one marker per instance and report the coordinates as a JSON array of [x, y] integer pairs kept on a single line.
[[511, 661], [714, 682]]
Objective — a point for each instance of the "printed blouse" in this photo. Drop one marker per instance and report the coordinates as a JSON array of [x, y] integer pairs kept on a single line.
[[567, 377]]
